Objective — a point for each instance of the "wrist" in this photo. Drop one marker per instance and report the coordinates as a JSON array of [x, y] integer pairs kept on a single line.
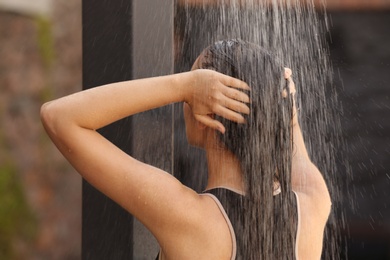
[[183, 82]]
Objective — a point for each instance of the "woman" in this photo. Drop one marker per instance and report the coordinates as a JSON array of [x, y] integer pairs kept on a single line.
[[263, 198]]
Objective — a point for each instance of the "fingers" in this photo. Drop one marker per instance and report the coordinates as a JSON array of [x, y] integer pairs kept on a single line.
[[210, 122], [229, 114], [237, 106], [287, 73], [230, 102], [234, 83], [221, 111], [224, 97], [233, 99], [235, 94]]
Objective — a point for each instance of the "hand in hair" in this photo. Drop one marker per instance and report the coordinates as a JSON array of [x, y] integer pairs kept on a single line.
[[215, 93]]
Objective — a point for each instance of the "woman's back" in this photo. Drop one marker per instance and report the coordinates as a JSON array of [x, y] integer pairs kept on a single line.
[[232, 204], [223, 231]]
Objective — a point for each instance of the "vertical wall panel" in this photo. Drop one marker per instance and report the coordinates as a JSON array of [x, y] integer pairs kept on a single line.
[[125, 40], [152, 130]]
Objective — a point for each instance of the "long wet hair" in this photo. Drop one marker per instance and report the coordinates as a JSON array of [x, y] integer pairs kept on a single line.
[[263, 146]]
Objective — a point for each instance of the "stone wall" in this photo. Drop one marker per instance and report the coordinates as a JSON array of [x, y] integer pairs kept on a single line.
[[40, 60]]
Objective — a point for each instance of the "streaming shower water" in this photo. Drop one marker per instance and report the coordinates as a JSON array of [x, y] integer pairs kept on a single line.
[[295, 32]]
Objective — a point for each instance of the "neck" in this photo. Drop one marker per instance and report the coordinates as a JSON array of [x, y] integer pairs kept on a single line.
[[224, 169]]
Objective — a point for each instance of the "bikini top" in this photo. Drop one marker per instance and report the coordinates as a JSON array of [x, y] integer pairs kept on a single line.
[[229, 201]]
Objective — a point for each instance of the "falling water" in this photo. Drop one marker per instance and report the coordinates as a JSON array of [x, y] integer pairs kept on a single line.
[[295, 33]]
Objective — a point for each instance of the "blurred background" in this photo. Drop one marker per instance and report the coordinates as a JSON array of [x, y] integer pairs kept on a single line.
[[40, 59], [40, 194]]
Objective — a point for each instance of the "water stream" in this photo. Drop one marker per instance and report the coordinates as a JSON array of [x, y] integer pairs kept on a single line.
[[295, 33]]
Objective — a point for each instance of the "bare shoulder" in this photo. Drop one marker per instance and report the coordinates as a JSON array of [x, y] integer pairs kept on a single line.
[[206, 234]]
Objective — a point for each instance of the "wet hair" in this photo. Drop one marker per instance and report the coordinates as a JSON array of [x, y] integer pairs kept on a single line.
[[263, 146]]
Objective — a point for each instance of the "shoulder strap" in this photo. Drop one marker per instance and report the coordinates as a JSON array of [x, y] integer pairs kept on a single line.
[[231, 229]]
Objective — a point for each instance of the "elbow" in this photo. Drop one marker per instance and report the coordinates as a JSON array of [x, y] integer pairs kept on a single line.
[[46, 115], [49, 118]]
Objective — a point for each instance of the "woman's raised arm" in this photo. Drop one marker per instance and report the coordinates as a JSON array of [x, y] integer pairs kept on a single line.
[[154, 197], [206, 91]]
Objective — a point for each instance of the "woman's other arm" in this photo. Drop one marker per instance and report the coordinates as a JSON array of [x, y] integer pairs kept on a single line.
[[306, 178]]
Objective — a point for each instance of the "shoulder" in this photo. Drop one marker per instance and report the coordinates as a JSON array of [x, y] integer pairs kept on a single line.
[[204, 235], [311, 188]]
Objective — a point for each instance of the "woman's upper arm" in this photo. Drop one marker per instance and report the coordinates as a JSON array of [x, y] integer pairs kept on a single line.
[[153, 196], [306, 177]]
